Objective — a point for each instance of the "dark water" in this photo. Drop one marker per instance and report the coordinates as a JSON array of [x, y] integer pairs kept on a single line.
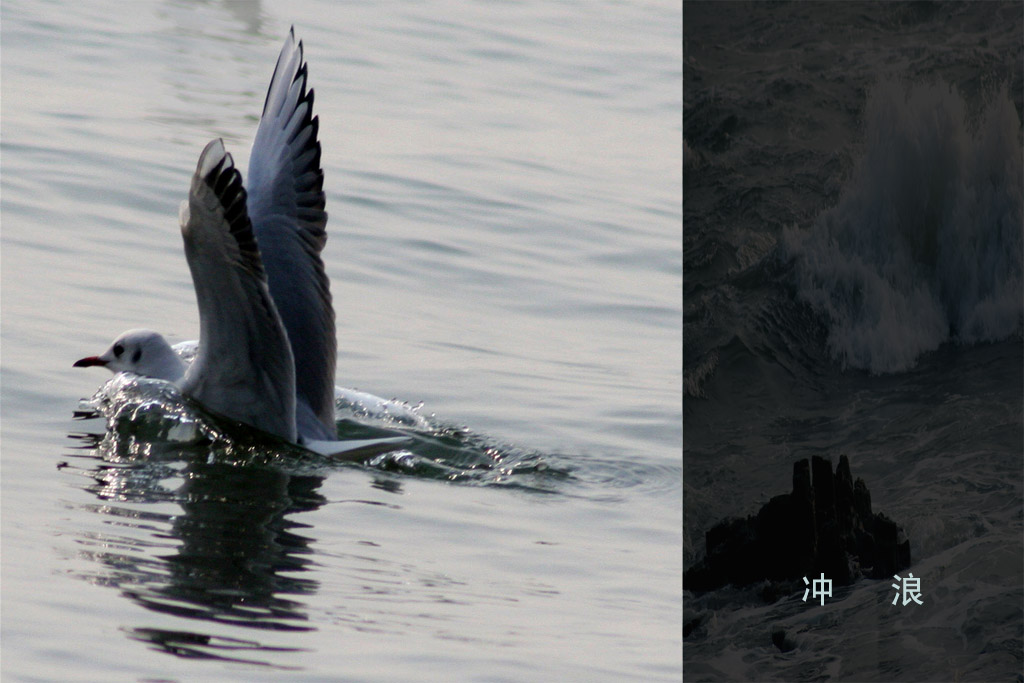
[[853, 284], [503, 183]]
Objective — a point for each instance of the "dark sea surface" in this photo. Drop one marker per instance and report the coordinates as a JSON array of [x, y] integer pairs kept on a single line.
[[504, 188], [853, 236]]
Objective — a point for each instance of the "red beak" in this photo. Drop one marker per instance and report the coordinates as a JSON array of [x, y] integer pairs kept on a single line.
[[89, 362]]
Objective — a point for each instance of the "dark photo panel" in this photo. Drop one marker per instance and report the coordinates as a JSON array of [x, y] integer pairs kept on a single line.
[[853, 240]]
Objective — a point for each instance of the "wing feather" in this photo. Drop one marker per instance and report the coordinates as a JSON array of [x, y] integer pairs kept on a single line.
[[243, 368], [286, 205]]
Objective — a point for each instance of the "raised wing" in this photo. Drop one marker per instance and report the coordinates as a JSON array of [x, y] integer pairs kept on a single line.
[[286, 206], [243, 368]]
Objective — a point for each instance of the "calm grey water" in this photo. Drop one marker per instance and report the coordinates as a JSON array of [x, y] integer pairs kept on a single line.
[[503, 182]]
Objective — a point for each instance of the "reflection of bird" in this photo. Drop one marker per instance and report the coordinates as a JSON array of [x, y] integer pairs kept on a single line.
[[240, 555], [267, 344]]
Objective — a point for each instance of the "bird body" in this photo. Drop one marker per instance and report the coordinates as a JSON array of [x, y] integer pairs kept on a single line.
[[267, 347]]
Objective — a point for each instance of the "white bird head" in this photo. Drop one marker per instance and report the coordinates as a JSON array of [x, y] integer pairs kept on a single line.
[[142, 352]]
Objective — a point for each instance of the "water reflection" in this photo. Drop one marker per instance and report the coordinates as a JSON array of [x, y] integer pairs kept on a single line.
[[238, 553], [192, 536], [201, 519]]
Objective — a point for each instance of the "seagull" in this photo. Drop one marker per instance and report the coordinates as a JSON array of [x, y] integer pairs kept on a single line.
[[267, 347]]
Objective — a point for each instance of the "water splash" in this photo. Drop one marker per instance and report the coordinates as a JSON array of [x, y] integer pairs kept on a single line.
[[149, 421], [925, 243]]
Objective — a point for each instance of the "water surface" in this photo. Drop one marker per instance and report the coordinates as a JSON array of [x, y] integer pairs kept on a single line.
[[503, 183]]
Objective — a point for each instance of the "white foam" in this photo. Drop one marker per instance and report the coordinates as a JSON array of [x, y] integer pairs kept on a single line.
[[924, 245]]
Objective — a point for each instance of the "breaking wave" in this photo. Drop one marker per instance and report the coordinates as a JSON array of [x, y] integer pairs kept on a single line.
[[925, 243]]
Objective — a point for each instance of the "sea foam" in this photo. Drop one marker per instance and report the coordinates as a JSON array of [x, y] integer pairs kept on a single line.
[[924, 244]]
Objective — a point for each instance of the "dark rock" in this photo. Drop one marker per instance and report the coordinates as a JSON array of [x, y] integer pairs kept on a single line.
[[824, 493], [824, 526], [861, 499], [892, 548], [844, 498], [804, 531], [775, 552], [773, 591]]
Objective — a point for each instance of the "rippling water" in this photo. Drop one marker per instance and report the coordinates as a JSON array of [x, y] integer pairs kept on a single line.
[[854, 258], [503, 183]]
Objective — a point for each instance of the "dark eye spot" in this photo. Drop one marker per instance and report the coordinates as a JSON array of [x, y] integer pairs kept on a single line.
[[118, 350], [137, 355]]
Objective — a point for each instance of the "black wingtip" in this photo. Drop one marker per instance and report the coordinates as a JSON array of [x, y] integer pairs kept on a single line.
[[224, 179]]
